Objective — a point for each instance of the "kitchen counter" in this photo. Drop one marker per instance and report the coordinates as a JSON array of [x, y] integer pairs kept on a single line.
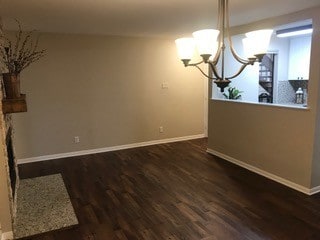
[[281, 105]]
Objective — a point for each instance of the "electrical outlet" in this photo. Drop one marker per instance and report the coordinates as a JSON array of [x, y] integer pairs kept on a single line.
[[160, 129], [165, 85], [76, 139]]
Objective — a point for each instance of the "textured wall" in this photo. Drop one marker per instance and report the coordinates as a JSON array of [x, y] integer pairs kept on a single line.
[[108, 91], [5, 205]]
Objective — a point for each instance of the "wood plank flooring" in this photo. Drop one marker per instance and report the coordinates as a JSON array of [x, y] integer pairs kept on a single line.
[[176, 191]]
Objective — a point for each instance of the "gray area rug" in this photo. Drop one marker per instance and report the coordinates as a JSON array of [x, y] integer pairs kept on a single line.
[[43, 205]]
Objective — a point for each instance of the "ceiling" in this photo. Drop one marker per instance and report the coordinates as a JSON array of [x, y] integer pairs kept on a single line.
[[137, 17]]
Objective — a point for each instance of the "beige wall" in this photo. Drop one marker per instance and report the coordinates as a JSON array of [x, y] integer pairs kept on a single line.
[[107, 91], [277, 140]]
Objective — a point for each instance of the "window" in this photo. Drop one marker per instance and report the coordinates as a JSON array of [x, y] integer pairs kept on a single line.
[[283, 72]]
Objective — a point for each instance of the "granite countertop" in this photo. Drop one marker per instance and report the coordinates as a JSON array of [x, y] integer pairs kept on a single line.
[[295, 104]]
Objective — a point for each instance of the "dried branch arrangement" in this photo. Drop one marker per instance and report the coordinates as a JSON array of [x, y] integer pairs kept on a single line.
[[21, 52]]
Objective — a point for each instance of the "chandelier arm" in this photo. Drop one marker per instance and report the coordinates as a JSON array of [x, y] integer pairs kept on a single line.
[[194, 64], [215, 71], [240, 71], [217, 56], [234, 53], [206, 75], [223, 27], [219, 14], [236, 56], [220, 27]]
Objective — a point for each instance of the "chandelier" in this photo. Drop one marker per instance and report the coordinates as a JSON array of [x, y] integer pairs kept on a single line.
[[211, 46]]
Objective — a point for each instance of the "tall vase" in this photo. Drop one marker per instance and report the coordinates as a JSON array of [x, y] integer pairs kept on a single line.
[[11, 85]]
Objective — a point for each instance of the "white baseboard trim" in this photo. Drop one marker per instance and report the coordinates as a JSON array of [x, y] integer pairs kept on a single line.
[[7, 236], [107, 149], [266, 174], [315, 190]]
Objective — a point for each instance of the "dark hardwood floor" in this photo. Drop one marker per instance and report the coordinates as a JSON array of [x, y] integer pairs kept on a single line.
[[176, 191]]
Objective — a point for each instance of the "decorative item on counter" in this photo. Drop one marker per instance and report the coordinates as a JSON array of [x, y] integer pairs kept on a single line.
[[16, 56], [233, 93], [299, 96], [265, 98], [305, 96]]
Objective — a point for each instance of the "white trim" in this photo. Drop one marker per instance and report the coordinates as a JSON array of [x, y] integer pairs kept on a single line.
[[107, 149], [266, 174], [7, 236], [315, 190]]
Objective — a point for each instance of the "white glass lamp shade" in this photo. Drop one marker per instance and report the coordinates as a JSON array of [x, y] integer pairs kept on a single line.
[[185, 47], [248, 47], [259, 40], [206, 41]]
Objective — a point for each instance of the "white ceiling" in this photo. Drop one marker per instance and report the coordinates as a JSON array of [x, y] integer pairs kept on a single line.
[[137, 17]]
